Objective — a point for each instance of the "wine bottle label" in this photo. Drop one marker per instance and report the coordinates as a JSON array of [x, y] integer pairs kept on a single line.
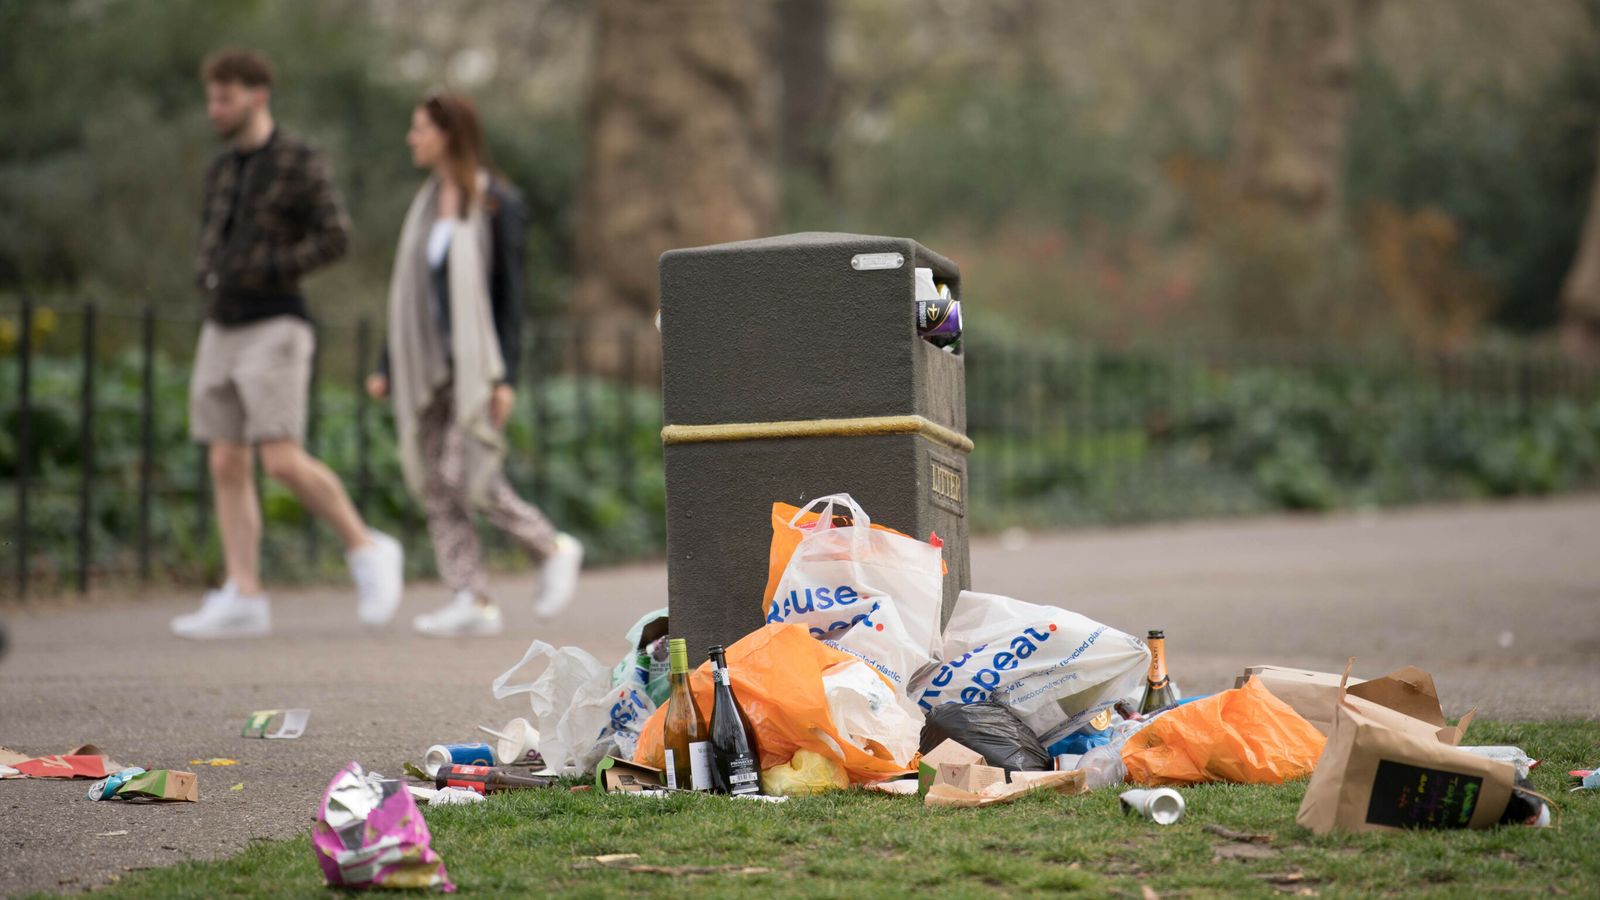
[[672, 768], [743, 777], [719, 675], [700, 765]]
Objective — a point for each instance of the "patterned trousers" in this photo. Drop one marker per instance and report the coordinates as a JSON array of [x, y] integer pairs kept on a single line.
[[456, 549]]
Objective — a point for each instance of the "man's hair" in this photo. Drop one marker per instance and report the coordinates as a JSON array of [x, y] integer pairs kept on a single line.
[[233, 66]]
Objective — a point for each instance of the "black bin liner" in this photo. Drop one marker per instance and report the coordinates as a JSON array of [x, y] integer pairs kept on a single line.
[[988, 728]]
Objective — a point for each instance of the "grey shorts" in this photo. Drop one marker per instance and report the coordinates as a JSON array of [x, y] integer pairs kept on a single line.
[[250, 381]]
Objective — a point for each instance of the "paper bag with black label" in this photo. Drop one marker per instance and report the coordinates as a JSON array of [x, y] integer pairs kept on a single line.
[[1374, 776]]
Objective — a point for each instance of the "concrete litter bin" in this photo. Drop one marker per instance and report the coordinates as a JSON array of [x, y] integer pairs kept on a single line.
[[792, 369]]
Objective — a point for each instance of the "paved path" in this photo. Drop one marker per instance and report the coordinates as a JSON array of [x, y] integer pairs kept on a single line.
[[1501, 603]]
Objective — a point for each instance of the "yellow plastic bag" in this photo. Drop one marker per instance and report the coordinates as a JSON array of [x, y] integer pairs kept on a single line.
[[777, 673], [1245, 735], [808, 773]]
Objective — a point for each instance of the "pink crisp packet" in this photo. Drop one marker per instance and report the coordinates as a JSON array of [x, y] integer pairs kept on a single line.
[[369, 833]]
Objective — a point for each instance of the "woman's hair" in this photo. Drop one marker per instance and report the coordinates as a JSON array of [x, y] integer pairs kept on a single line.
[[464, 152]]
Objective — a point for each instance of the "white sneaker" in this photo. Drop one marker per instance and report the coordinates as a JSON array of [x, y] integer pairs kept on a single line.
[[225, 614], [559, 577], [462, 617], [379, 571]]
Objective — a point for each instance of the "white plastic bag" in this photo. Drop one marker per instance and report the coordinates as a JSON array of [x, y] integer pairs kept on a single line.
[[580, 717], [866, 711], [1055, 669], [873, 594]]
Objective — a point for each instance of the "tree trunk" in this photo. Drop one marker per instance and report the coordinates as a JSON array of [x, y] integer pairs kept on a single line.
[[1299, 62], [1580, 293], [802, 48], [679, 154]]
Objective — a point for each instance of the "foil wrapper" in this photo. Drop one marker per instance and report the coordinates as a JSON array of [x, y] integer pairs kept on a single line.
[[369, 833]]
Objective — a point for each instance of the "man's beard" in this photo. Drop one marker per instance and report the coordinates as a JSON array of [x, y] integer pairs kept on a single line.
[[233, 130]]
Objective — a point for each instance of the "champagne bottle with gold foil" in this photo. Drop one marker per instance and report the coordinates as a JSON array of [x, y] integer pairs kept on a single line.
[[688, 750], [1158, 691]]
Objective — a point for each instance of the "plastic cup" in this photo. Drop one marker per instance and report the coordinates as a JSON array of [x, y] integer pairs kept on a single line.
[[512, 742], [1162, 806]]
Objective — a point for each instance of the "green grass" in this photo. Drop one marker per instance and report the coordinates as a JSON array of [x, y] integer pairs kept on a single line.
[[856, 844]]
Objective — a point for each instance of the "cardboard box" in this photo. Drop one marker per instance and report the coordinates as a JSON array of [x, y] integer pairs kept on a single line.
[[614, 776], [949, 753], [941, 794], [953, 775], [1405, 699], [1374, 776], [972, 777]]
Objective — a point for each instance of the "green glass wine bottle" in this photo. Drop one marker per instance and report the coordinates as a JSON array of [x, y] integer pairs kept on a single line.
[[688, 749]]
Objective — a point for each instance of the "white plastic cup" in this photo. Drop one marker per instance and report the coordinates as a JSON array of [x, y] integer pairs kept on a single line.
[[1162, 806], [512, 742]]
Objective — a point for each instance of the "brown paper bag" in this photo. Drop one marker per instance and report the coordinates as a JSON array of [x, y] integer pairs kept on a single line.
[[1405, 694], [1375, 776]]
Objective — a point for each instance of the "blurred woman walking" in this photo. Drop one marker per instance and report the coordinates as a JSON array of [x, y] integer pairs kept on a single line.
[[455, 311]]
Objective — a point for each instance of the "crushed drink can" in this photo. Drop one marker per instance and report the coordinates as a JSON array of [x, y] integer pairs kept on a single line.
[[939, 320], [442, 756]]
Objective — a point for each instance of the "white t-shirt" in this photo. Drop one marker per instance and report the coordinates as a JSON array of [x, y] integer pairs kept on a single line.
[[439, 241]]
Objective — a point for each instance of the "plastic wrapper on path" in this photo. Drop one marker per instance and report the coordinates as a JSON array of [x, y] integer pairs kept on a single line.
[[371, 834]]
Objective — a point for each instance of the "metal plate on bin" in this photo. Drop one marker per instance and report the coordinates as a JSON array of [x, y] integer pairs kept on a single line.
[[947, 485], [869, 262]]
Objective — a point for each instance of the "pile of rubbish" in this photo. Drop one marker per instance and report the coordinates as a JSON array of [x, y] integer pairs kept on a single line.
[[852, 681]]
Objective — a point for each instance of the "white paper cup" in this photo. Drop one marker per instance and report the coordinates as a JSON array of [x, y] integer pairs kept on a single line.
[[1162, 806], [513, 742]]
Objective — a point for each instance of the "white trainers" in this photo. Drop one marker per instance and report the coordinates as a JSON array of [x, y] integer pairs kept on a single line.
[[558, 578], [225, 614], [379, 573], [462, 617]]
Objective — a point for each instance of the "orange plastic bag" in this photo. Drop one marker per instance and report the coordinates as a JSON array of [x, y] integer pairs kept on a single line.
[[1245, 735], [777, 677], [786, 537]]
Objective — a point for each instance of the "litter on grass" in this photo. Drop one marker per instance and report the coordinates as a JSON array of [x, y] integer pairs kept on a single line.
[[369, 833]]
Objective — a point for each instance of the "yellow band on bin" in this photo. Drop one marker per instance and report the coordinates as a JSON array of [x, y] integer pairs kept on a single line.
[[812, 428]]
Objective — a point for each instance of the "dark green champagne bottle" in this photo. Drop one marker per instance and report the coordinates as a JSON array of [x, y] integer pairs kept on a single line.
[[734, 766], [1158, 692]]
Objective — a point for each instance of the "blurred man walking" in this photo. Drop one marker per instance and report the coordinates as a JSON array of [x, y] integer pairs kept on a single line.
[[270, 215]]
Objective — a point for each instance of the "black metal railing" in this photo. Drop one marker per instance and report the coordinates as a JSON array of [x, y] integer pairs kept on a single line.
[[95, 404]]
